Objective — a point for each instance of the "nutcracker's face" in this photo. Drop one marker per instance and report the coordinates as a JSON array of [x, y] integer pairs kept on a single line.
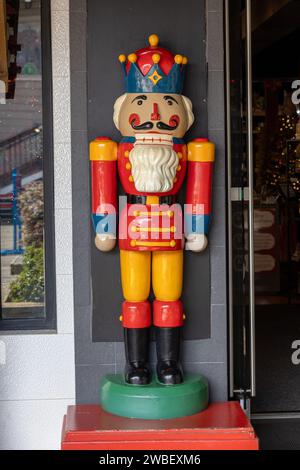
[[159, 113]]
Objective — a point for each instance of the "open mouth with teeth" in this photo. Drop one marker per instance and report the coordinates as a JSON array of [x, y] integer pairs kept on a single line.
[[154, 138]]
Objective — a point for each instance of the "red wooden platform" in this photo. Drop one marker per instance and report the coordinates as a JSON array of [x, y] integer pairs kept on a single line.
[[223, 426]]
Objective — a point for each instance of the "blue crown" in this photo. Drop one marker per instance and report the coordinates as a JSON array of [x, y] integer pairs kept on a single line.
[[164, 72]]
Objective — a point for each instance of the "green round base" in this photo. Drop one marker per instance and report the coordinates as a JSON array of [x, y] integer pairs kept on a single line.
[[154, 401]]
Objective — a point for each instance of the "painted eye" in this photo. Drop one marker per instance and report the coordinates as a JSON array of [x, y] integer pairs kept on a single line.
[[170, 103], [140, 102]]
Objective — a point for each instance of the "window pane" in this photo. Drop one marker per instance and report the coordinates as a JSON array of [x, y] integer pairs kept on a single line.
[[21, 163]]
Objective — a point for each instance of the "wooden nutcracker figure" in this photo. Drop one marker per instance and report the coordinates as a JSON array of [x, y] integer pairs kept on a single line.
[[152, 162]]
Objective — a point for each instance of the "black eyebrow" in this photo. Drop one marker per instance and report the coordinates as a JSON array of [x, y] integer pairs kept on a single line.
[[168, 97], [140, 97]]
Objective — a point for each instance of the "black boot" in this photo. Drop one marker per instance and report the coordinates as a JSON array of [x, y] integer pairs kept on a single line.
[[137, 349], [169, 370]]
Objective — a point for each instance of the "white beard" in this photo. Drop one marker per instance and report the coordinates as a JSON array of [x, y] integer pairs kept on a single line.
[[153, 167]]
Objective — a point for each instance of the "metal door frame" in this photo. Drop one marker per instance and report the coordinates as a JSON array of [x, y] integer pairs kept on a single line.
[[248, 79]]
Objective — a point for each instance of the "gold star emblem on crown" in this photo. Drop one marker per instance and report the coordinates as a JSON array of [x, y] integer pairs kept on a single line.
[[155, 77]]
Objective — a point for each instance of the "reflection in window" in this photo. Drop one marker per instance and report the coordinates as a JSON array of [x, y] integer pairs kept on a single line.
[[276, 138], [21, 162]]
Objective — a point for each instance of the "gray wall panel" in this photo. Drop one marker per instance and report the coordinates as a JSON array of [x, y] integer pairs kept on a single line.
[[105, 84]]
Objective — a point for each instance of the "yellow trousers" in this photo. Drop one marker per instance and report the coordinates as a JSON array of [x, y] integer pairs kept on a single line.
[[166, 274]]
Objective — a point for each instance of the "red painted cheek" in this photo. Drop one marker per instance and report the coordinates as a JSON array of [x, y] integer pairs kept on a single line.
[[134, 119], [174, 120]]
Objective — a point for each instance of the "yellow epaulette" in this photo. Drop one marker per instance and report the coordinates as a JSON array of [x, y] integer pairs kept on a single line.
[[103, 149], [201, 150]]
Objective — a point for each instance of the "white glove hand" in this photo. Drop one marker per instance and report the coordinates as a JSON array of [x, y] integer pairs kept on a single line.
[[196, 242], [105, 241]]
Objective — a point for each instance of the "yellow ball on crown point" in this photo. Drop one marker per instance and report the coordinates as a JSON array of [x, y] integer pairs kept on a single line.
[[178, 59], [153, 40], [132, 58]]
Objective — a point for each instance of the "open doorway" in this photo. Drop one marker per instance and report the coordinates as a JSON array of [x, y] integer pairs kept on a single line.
[[263, 74]]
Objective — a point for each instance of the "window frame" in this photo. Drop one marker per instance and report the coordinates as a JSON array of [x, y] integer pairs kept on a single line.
[[49, 322]]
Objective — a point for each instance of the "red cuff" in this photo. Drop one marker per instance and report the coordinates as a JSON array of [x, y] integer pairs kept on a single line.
[[168, 314], [136, 315]]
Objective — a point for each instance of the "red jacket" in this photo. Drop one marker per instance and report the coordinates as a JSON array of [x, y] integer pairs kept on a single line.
[[147, 223]]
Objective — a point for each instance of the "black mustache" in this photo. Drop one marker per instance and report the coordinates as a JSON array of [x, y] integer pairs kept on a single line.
[[166, 127], [149, 125], [144, 126]]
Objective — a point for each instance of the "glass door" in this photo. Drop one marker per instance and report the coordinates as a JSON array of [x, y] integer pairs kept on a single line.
[[263, 106]]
